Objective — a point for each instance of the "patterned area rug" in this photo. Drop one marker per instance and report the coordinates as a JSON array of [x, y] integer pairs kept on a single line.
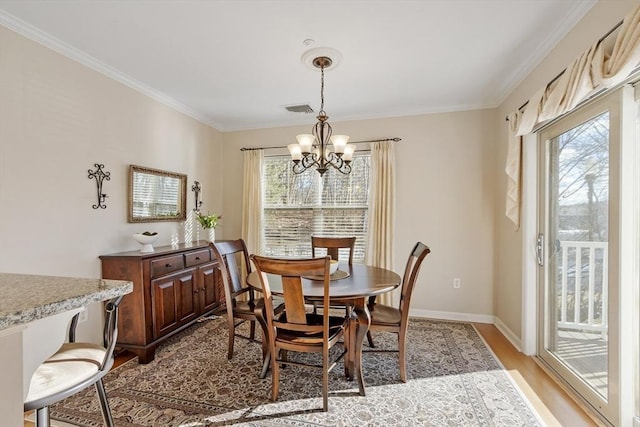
[[453, 380]]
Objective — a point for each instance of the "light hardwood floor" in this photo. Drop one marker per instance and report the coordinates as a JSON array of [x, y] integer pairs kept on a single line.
[[550, 401], [553, 404]]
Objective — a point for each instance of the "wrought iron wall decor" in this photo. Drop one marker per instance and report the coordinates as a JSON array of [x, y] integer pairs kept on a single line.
[[99, 176], [196, 188]]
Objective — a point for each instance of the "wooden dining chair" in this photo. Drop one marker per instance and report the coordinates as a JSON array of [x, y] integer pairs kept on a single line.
[[232, 256], [333, 246], [74, 367], [396, 320], [294, 329]]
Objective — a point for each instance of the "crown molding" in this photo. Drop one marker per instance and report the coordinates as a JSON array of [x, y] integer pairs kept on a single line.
[[29, 31]]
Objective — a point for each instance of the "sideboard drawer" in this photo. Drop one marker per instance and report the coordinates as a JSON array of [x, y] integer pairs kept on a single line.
[[162, 266], [195, 258]]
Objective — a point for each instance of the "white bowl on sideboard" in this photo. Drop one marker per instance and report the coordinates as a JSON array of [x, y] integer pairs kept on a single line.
[[146, 241]]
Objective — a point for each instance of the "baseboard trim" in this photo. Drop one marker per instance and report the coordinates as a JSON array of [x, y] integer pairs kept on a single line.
[[508, 333], [450, 315], [467, 317]]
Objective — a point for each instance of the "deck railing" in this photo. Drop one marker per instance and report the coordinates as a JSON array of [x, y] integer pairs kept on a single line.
[[582, 290]]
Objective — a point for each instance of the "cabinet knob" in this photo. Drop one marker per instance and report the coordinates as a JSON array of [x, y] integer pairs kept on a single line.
[[168, 265], [196, 291], [197, 258]]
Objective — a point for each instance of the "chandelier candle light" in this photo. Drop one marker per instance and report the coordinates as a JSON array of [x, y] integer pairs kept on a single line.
[[313, 150]]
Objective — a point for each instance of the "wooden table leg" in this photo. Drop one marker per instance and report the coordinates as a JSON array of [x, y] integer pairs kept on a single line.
[[363, 321], [349, 340], [266, 355]]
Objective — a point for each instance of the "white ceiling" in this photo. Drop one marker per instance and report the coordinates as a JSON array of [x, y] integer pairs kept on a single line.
[[236, 64]]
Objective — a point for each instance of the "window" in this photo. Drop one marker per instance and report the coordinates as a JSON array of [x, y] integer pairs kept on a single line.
[[297, 206]]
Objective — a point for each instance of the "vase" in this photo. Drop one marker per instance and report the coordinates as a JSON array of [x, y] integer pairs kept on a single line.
[[211, 234]]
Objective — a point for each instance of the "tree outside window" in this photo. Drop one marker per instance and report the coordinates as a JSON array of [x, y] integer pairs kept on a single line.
[[297, 206]]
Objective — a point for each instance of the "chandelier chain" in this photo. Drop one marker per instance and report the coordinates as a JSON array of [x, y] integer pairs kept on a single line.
[[322, 112]]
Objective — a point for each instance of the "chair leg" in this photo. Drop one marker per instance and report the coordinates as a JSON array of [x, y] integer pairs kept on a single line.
[[325, 382], [266, 362], [232, 334], [42, 417], [345, 344], [370, 339], [401, 348], [252, 331], [275, 376], [104, 404]]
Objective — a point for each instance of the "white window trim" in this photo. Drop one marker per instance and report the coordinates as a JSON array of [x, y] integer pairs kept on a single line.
[[528, 224]]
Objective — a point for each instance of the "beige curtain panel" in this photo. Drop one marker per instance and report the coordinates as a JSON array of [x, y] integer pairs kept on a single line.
[[382, 209], [252, 201], [602, 66], [513, 170]]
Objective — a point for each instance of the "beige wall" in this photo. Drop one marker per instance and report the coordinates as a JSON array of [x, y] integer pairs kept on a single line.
[[446, 198], [58, 118], [508, 293]]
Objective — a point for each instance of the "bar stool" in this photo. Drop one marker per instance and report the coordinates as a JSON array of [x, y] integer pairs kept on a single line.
[[73, 368]]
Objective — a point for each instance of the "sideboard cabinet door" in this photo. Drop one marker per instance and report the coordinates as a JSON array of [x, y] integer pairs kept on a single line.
[[172, 301], [209, 279]]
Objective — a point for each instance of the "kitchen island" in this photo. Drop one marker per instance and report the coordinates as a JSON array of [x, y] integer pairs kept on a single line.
[[34, 314]]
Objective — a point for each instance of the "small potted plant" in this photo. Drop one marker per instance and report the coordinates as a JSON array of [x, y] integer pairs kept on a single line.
[[209, 223]]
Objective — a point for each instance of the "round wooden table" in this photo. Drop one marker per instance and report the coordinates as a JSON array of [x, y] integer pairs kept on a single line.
[[363, 282]]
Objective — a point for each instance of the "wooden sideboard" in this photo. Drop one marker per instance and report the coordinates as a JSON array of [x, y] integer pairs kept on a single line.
[[172, 288]]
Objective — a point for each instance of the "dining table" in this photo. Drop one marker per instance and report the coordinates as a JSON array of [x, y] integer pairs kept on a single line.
[[350, 286]]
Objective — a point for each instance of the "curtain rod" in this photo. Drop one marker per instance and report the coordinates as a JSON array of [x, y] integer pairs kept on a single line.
[[562, 72], [396, 139]]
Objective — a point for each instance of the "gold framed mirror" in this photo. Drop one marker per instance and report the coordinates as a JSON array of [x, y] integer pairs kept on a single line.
[[156, 195]]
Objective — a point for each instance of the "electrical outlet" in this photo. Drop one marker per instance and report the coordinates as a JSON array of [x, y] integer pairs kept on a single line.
[[83, 316], [456, 283]]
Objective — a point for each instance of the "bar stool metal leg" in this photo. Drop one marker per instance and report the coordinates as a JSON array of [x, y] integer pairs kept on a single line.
[[104, 404], [42, 417]]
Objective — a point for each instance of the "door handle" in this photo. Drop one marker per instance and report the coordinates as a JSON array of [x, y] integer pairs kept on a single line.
[[540, 249]]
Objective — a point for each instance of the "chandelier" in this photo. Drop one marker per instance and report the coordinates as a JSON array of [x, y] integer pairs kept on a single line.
[[313, 150]]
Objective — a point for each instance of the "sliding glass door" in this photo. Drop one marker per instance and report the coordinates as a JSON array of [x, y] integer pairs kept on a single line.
[[578, 252]]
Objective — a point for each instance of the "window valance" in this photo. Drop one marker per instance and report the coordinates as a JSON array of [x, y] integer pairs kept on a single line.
[[602, 66]]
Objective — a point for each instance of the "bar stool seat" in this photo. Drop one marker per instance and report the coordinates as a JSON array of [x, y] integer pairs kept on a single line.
[[75, 366]]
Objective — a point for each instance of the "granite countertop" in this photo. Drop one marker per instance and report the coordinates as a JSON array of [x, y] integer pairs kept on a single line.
[[25, 298]]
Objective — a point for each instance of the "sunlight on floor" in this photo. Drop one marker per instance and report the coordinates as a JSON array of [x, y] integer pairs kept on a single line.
[[544, 413]]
